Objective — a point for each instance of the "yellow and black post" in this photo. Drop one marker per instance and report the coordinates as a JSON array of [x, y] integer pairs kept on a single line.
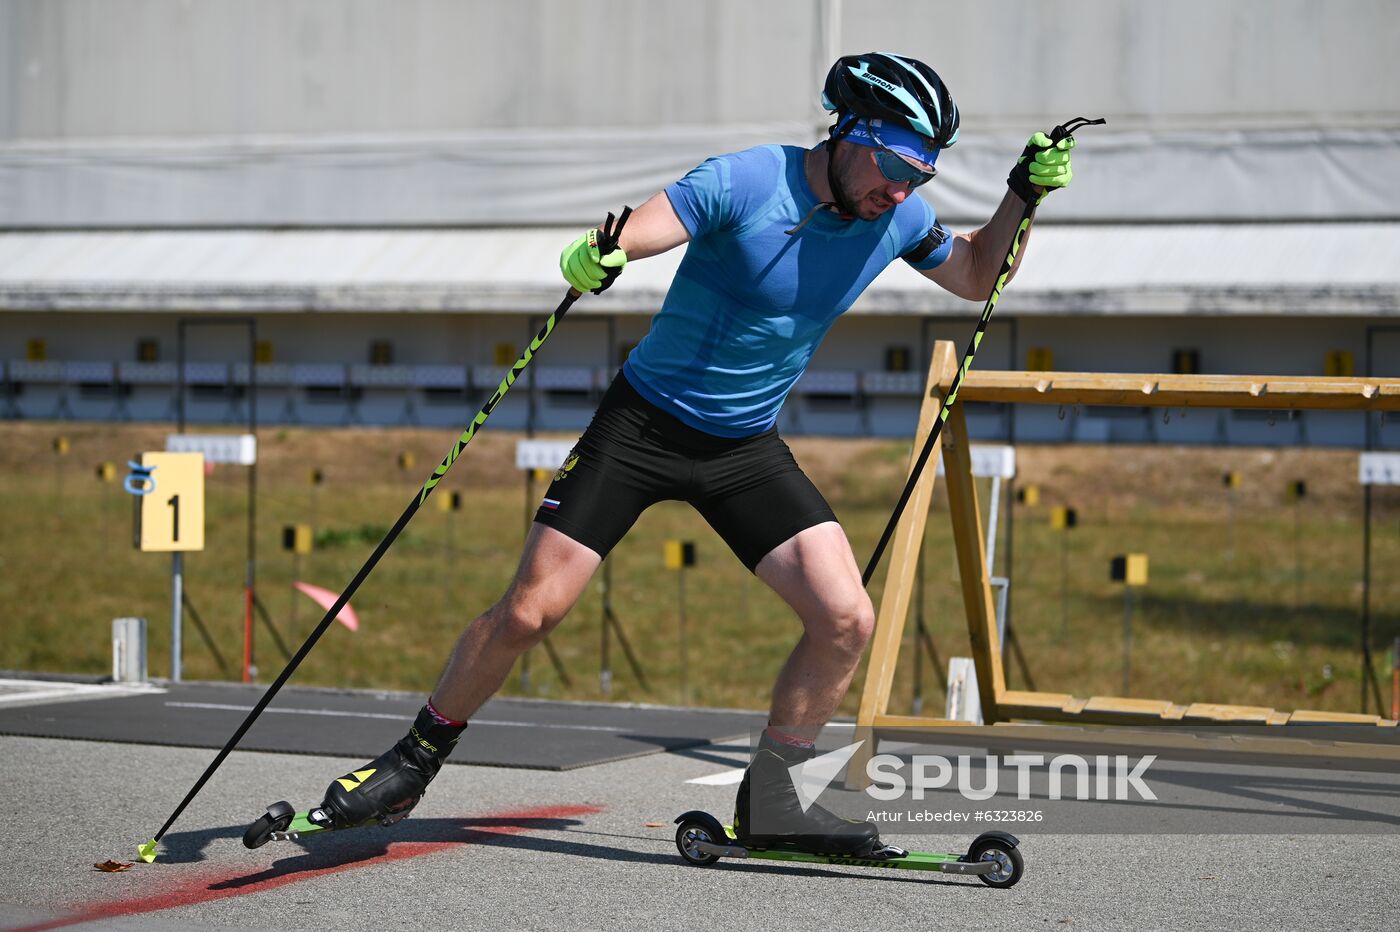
[[1131, 570], [680, 555], [1062, 519], [1297, 491], [449, 503], [1232, 481], [297, 539], [106, 473]]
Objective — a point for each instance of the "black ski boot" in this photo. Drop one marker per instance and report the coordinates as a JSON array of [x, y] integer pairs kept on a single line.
[[385, 789], [768, 813]]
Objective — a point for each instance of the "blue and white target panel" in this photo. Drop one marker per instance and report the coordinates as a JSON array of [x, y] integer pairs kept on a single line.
[[542, 454]]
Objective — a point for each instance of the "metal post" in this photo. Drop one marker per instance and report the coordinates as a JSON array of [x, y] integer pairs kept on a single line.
[[604, 661], [250, 599], [992, 526], [529, 519], [1298, 552], [1001, 584], [296, 575], [1366, 594], [1064, 581], [250, 576], [532, 389], [177, 583], [1230, 512], [180, 377], [1127, 638], [685, 687], [918, 702], [447, 540]]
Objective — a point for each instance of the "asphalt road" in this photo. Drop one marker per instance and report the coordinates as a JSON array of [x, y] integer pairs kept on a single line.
[[525, 849]]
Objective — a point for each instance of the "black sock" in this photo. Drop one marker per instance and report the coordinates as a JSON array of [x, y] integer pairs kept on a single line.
[[430, 734]]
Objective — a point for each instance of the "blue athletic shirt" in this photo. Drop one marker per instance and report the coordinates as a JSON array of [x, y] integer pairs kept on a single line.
[[750, 303]]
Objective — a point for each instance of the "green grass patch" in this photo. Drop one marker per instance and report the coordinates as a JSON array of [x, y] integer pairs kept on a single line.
[[1261, 609]]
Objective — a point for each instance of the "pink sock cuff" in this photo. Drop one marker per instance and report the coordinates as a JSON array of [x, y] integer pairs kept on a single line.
[[443, 719], [795, 741]]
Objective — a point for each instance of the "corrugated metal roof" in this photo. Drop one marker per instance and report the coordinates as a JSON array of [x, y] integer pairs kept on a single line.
[[1294, 269]]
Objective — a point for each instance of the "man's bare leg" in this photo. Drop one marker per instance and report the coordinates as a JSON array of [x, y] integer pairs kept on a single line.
[[553, 572], [815, 572]]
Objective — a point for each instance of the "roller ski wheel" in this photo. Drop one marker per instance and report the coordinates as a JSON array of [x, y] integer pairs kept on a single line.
[[281, 822], [697, 838], [1000, 849], [275, 821], [993, 857]]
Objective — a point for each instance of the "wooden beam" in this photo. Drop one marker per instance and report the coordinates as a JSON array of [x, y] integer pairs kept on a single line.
[[972, 563], [1171, 743], [904, 561], [1183, 391]]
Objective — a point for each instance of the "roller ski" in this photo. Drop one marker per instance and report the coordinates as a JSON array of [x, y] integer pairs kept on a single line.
[[771, 823], [381, 792], [992, 857]]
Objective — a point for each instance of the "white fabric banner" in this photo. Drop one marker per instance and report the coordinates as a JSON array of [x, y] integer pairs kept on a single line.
[[528, 177]]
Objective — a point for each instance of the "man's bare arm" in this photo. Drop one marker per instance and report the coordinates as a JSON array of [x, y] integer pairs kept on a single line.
[[971, 269], [653, 228]]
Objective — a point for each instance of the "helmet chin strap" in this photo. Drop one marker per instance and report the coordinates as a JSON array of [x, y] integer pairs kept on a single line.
[[839, 201], [839, 198]]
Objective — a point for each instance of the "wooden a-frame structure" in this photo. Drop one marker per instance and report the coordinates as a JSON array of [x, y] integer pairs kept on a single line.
[[1000, 705]]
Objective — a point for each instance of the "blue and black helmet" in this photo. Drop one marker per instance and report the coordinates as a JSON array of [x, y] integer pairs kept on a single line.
[[896, 88]]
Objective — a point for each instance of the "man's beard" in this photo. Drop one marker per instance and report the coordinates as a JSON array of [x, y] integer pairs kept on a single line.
[[840, 195]]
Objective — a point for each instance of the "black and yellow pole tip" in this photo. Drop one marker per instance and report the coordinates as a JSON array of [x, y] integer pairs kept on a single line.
[[147, 851]]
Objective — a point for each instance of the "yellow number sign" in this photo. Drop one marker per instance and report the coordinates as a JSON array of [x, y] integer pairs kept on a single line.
[[170, 515]]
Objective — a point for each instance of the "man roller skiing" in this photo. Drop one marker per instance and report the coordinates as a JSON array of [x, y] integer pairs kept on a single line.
[[780, 241]]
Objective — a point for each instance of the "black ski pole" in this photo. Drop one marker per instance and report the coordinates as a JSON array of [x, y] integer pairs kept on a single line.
[[607, 242], [1063, 131]]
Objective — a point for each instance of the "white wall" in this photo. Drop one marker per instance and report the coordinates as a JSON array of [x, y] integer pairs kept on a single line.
[[258, 112], [80, 69]]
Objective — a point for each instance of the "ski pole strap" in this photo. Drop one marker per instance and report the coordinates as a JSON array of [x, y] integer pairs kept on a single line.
[[610, 236], [1067, 128]]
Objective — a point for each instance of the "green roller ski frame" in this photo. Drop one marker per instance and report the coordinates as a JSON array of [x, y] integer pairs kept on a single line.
[[993, 857], [282, 822]]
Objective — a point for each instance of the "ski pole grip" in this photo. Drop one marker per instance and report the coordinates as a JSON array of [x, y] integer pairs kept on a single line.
[[1067, 128]]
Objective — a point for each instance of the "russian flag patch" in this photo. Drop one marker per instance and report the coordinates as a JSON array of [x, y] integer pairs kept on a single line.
[[551, 503]]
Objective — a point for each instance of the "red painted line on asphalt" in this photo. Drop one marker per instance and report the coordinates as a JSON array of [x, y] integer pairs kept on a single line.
[[207, 888]]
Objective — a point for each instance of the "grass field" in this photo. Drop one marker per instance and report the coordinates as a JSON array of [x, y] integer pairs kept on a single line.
[[1226, 617]]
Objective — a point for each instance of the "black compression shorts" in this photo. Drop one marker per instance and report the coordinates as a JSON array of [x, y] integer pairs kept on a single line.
[[633, 454]]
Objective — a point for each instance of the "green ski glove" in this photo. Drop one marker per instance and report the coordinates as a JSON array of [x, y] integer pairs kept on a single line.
[[585, 270], [1043, 165]]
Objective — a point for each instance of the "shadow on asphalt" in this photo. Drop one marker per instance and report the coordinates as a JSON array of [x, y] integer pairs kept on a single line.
[[726, 755], [330, 848], [336, 849]]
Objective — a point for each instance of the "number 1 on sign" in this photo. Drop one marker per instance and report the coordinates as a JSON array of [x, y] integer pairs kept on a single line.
[[172, 520]]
